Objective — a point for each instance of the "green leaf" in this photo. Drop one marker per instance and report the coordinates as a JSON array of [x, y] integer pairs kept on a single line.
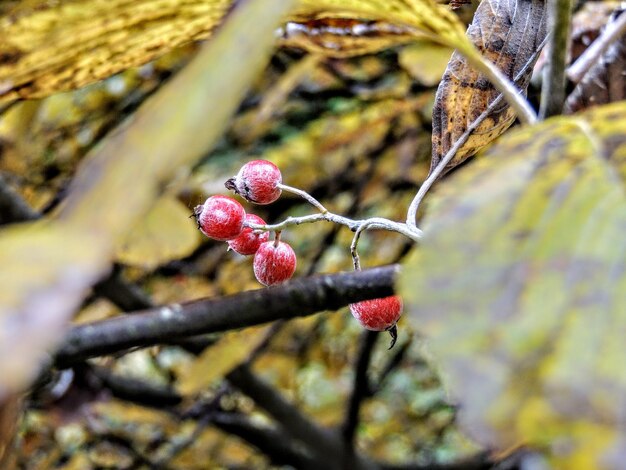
[[520, 285], [45, 270]]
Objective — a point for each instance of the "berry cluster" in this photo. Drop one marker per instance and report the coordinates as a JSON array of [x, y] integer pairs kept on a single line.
[[223, 218]]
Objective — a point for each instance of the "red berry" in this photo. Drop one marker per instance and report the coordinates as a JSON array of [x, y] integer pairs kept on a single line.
[[248, 242], [220, 218], [378, 314], [257, 182], [274, 263]]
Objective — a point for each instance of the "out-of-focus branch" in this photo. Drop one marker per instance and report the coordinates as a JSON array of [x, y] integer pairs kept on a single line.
[[12, 207], [277, 445], [326, 444], [553, 90], [124, 295], [613, 32], [360, 387], [297, 298]]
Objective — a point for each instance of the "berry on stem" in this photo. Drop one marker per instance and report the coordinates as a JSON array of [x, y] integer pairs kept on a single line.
[[379, 314], [274, 262], [248, 242], [220, 218], [257, 181]]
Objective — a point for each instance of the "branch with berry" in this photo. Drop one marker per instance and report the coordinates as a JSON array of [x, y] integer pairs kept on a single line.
[[223, 218]]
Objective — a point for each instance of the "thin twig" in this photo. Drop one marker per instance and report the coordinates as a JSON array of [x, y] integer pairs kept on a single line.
[[591, 56], [381, 223], [553, 89], [304, 195], [411, 218], [360, 387]]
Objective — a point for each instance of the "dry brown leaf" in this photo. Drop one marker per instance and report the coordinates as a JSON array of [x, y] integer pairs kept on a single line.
[[507, 32]]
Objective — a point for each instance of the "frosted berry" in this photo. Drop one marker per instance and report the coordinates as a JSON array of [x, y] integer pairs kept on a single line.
[[274, 263], [248, 242], [220, 218], [378, 314], [257, 181]]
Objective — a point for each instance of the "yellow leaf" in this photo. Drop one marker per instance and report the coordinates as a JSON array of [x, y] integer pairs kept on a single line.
[[166, 233], [47, 47], [425, 61], [520, 285], [53, 46], [231, 350]]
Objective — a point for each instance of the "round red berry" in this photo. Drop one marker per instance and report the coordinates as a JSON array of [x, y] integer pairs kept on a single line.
[[248, 242], [220, 218], [378, 314], [274, 263], [257, 182]]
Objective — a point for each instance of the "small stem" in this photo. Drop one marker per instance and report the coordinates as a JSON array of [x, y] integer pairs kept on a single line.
[[277, 238], [553, 90], [590, 57], [303, 194], [413, 233], [356, 260]]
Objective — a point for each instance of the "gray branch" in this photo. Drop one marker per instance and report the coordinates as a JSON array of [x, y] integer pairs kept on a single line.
[[297, 298]]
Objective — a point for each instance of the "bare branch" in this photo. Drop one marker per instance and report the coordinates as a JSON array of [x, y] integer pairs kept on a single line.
[[360, 387], [590, 57], [276, 444], [299, 297], [327, 445]]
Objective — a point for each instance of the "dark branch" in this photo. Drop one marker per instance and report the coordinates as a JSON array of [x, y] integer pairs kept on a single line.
[[296, 298], [12, 207], [391, 365], [126, 296], [277, 445], [360, 388], [134, 390], [325, 443]]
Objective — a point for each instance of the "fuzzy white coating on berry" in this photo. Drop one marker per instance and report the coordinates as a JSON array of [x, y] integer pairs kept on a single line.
[[378, 314], [220, 218], [257, 182], [274, 263], [248, 242]]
